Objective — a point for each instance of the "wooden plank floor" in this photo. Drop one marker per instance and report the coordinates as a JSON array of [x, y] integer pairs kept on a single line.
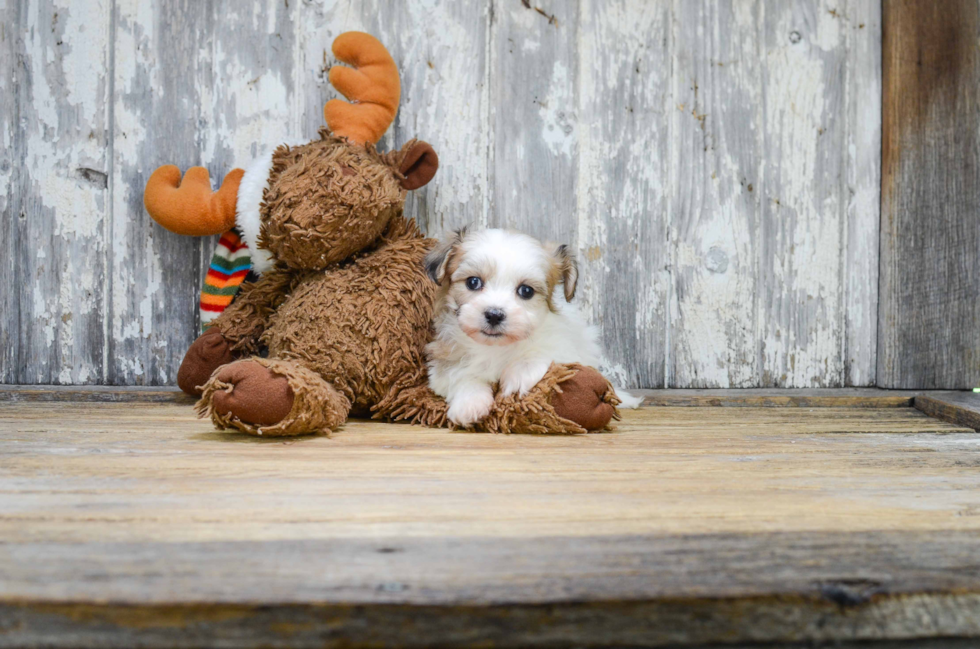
[[126, 524]]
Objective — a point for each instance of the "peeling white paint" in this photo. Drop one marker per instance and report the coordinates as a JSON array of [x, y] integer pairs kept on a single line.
[[442, 103], [557, 116], [251, 108]]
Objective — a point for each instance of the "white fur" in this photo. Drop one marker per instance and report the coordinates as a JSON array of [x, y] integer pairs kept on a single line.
[[248, 216], [531, 337]]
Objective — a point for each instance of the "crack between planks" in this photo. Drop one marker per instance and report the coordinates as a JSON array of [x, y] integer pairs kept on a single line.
[[110, 189], [672, 164], [486, 114]]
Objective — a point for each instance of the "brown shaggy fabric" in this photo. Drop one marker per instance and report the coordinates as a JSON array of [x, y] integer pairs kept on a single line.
[[363, 325], [317, 408], [243, 322], [206, 354]]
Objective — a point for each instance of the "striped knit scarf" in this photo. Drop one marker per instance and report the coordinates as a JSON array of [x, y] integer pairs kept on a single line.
[[230, 265]]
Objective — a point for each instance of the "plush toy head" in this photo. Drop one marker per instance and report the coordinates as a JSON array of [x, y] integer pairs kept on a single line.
[[331, 198], [324, 200]]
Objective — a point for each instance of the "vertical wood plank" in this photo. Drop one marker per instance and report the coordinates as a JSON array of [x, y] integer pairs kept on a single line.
[[163, 68], [250, 107], [929, 305], [803, 208], [56, 203], [442, 54], [11, 166], [534, 118], [622, 193], [716, 151], [863, 196]]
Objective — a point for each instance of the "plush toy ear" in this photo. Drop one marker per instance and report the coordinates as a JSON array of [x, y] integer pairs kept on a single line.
[[569, 270], [419, 165], [439, 260]]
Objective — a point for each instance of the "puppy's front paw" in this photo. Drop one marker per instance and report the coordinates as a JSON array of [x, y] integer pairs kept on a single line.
[[520, 378], [469, 406]]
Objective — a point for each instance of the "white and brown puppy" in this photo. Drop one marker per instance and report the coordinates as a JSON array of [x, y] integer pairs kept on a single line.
[[498, 318]]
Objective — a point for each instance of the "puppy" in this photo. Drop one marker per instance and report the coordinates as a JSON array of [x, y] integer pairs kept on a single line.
[[499, 318]]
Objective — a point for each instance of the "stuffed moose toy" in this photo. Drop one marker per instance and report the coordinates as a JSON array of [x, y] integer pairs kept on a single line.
[[338, 318]]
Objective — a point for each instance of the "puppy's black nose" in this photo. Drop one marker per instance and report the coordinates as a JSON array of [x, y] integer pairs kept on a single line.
[[494, 316]]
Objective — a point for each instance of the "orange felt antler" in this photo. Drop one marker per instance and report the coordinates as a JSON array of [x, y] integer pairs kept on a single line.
[[372, 86], [189, 206]]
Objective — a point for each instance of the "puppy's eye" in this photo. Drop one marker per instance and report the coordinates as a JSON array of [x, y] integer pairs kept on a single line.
[[525, 292], [474, 283]]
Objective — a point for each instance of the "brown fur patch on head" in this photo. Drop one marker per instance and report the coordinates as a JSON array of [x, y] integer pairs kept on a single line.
[[328, 200], [443, 260]]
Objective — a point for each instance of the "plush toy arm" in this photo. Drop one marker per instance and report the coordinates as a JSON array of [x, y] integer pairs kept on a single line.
[[570, 399], [244, 321]]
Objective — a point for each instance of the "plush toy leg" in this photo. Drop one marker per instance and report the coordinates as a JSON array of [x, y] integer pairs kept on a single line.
[[570, 399], [272, 397], [206, 354]]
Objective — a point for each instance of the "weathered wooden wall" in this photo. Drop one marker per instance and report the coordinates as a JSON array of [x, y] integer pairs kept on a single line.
[[929, 315], [716, 163]]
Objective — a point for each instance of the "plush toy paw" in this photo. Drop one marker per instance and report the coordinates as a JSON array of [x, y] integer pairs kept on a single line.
[[255, 395], [206, 354], [587, 399]]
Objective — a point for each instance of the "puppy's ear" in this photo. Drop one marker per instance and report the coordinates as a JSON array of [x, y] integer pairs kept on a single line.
[[568, 268], [439, 260]]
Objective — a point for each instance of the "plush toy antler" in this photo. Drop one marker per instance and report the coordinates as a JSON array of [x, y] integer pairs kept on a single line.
[[372, 87], [189, 206]]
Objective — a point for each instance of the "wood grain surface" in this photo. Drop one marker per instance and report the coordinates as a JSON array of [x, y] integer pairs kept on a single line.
[[686, 525], [715, 165], [929, 309]]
